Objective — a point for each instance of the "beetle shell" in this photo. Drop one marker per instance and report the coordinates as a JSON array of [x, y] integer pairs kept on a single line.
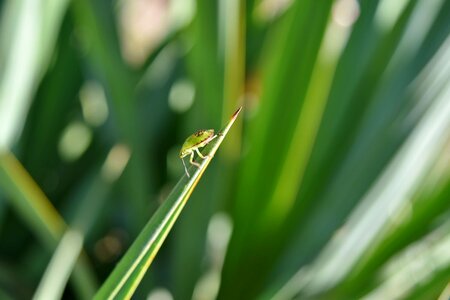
[[197, 140]]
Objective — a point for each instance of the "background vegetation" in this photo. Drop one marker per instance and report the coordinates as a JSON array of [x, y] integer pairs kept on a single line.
[[334, 182]]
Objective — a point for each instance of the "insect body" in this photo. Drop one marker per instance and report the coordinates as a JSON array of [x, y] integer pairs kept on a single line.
[[198, 140]]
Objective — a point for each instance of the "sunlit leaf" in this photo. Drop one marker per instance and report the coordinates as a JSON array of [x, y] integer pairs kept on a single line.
[[125, 278]]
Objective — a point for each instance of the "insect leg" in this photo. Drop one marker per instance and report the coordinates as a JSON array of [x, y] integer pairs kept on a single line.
[[199, 154], [204, 156], [192, 160]]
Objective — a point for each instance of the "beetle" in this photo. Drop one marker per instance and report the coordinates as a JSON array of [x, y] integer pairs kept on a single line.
[[197, 140]]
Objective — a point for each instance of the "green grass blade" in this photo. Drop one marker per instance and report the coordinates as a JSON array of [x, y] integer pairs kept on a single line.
[[298, 38], [426, 211], [27, 37], [90, 204], [434, 287], [205, 63], [104, 56], [419, 137], [40, 215], [432, 278], [125, 278], [30, 201]]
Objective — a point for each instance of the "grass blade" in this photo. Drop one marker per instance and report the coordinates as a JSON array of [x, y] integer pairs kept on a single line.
[[90, 204], [104, 55], [299, 35], [30, 201], [41, 216], [28, 34], [125, 278]]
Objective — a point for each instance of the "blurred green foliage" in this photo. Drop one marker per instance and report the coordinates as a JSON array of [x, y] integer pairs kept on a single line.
[[334, 183]]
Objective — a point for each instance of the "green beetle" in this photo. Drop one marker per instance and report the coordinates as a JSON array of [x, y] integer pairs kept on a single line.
[[197, 140]]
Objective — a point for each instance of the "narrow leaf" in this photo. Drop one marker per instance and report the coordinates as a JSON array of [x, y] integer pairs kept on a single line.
[[125, 278], [36, 210]]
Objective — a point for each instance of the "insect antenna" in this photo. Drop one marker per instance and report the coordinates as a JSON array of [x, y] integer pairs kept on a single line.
[[185, 169]]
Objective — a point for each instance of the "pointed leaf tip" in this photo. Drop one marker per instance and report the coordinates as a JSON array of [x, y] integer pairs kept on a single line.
[[236, 113]]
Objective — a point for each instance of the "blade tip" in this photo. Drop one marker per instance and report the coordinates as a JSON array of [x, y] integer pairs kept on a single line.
[[236, 113]]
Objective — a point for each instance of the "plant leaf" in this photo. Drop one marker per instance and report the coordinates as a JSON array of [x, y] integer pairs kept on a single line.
[[28, 32], [36, 210], [125, 278], [104, 55]]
